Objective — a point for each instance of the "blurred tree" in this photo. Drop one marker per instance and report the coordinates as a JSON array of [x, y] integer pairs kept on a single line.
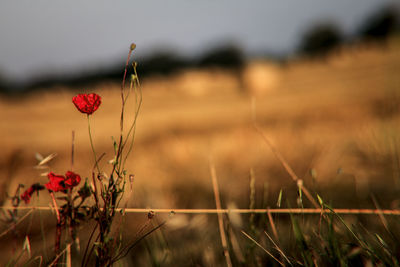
[[161, 63], [5, 87], [321, 39], [2, 87], [381, 24], [225, 57]]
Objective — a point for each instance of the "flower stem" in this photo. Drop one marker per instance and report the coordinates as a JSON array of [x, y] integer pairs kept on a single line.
[[91, 144], [58, 226], [55, 206]]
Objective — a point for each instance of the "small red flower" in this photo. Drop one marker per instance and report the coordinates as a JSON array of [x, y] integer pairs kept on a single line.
[[72, 179], [56, 182], [87, 103], [26, 196], [61, 183]]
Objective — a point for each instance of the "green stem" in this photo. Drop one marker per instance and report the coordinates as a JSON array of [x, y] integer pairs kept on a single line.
[[91, 144]]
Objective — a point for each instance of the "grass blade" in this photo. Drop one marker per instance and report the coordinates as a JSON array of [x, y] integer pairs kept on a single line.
[[266, 251]]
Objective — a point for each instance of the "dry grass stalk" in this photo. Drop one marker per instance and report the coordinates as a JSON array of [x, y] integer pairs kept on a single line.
[[278, 248], [220, 219], [380, 214], [287, 167], [271, 222], [235, 246], [18, 222], [54, 262], [266, 251]]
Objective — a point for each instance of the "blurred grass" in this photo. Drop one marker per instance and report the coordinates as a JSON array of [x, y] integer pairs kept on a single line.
[[334, 120]]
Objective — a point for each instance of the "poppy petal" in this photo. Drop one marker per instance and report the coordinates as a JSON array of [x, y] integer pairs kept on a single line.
[[87, 103]]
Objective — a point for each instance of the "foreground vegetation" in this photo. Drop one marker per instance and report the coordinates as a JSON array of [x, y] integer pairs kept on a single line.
[[334, 123]]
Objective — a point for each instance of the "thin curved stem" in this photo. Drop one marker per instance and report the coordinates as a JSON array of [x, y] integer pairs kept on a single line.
[[91, 144]]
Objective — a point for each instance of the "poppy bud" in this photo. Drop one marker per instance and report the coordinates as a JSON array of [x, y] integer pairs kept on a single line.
[[133, 46]]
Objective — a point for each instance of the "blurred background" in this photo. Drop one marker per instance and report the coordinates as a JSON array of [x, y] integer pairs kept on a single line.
[[321, 79], [45, 43]]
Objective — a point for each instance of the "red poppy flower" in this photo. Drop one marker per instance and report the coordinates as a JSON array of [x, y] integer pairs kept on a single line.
[[26, 196], [87, 103], [56, 182], [61, 183], [72, 179]]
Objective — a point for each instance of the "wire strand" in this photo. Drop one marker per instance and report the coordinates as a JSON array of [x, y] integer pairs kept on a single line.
[[395, 212]]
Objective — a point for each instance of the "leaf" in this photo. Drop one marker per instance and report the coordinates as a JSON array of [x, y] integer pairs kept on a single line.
[[47, 159], [381, 241], [38, 156], [85, 192], [301, 242], [321, 202], [300, 198], [278, 203], [115, 145], [27, 245], [113, 161], [313, 173]]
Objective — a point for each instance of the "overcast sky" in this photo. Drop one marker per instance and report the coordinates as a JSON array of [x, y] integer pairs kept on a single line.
[[66, 36]]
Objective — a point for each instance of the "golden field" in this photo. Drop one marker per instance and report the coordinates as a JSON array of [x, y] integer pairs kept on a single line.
[[335, 120]]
